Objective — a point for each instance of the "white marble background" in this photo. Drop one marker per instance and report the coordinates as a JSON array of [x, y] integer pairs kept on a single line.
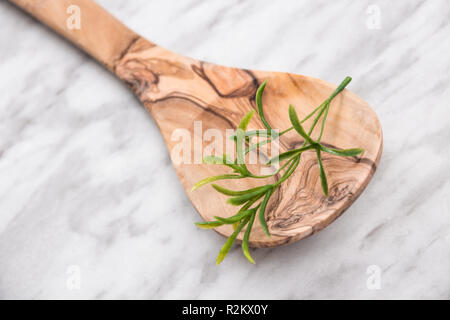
[[86, 181]]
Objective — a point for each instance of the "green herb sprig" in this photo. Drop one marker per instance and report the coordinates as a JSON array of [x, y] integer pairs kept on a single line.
[[254, 201]]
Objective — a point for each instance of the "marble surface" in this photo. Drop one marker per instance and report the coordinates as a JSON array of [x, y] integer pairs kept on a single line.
[[90, 206]]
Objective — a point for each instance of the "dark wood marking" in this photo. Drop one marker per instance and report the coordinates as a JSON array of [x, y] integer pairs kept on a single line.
[[174, 96], [246, 88], [126, 50]]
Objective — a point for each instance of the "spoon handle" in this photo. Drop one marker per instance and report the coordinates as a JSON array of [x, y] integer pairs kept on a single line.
[[84, 23]]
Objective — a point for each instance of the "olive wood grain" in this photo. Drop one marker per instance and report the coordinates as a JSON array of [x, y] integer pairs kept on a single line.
[[178, 90]]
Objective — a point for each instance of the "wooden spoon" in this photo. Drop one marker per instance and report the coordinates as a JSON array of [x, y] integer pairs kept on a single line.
[[178, 90]]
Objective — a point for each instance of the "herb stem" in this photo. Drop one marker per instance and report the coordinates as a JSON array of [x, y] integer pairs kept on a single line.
[[323, 122], [271, 175], [304, 119], [294, 161]]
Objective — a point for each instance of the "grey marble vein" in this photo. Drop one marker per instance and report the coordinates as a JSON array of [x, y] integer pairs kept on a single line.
[[88, 193]]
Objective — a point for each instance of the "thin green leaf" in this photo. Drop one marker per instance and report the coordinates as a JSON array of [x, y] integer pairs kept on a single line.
[[247, 237], [327, 108], [316, 119], [262, 210], [214, 160], [229, 192], [340, 88], [259, 94], [223, 161], [265, 133], [249, 203], [246, 120], [344, 153], [238, 200], [227, 246], [313, 112], [293, 163], [290, 154], [297, 126], [323, 177], [215, 178], [209, 224], [327, 103], [240, 152], [237, 217]]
